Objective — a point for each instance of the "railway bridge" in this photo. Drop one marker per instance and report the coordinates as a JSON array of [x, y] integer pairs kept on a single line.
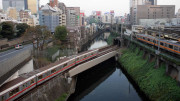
[[25, 86]]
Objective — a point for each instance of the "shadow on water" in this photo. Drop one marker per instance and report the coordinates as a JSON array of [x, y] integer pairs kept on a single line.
[[91, 81]]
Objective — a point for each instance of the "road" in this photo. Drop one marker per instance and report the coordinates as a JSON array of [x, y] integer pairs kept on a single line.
[[10, 53]]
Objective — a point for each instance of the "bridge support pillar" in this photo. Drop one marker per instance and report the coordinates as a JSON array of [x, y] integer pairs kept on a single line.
[[178, 78], [151, 57], [116, 57], [73, 85], [157, 62]]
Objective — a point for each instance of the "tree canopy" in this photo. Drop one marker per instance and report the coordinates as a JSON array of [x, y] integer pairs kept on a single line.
[[21, 29], [61, 33], [7, 30]]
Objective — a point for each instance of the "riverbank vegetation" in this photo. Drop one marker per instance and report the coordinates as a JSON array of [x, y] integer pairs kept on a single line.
[[63, 97], [153, 82], [111, 37]]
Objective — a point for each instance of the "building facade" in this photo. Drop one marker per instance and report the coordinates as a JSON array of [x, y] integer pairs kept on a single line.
[[73, 16], [155, 12], [49, 17], [33, 6], [53, 3], [133, 8], [12, 13], [18, 4], [178, 14]]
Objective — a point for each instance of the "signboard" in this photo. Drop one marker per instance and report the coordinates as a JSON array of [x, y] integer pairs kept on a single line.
[[112, 12], [98, 13]]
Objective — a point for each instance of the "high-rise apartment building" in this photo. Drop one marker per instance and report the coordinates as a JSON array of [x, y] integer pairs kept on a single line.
[[133, 8], [53, 3], [31, 5], [178, 14], [73, 16], [51, 17], [155, 12], [18, 4]]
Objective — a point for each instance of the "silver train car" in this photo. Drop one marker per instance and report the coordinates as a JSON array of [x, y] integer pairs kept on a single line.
[[16, 88]]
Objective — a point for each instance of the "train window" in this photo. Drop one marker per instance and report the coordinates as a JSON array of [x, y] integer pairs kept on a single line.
[[176, 48], [53, 71], [179, 48], [14, 91], [2, 98], [166, 45], [161, 43], [144, 38], [154, 41], [148, 39], [85, 56], [32, 81], [40, 77], [171, 46], [65, 65]]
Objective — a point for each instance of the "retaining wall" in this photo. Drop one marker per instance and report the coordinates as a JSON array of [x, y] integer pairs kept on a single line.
[[9, 64]]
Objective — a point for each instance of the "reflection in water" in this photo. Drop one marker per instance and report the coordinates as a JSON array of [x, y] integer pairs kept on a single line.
[[104, 82]]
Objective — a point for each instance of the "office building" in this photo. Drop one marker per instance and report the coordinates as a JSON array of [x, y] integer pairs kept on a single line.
[[154, 12], [133, 8], [178, 14], [73, 16], [18, 4], [32, 6], [51, 17]]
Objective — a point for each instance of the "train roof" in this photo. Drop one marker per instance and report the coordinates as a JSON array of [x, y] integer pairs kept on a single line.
[[163, 40], [11, 83], [26, 76]]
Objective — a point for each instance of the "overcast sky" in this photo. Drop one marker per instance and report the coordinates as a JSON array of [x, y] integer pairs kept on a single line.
[[120, 6]]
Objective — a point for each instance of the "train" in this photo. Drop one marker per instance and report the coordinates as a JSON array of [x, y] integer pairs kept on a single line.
[[26, 82], [167, 45]]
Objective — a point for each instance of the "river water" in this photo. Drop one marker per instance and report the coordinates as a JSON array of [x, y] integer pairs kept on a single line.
[[106, 81]]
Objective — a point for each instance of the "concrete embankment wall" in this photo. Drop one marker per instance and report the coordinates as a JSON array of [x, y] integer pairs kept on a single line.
[[51, 90], [8, 64]]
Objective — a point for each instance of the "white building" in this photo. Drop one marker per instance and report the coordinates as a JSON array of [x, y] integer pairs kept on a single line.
[[108, 18], [157, 22], [178, 14]]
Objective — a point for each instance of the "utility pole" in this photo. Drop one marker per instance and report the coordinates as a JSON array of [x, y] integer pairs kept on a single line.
[[121, 30]]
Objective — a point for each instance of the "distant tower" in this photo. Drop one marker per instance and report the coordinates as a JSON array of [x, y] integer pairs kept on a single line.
[[53, 3]]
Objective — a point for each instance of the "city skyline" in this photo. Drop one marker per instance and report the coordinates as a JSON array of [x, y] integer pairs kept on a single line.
[[120, 8]]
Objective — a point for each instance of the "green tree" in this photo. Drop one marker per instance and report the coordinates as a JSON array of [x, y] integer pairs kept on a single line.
[[7, 30], [21, 29], [60, 33]]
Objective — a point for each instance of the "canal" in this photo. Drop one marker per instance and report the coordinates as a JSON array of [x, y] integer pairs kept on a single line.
[[106, 81]]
